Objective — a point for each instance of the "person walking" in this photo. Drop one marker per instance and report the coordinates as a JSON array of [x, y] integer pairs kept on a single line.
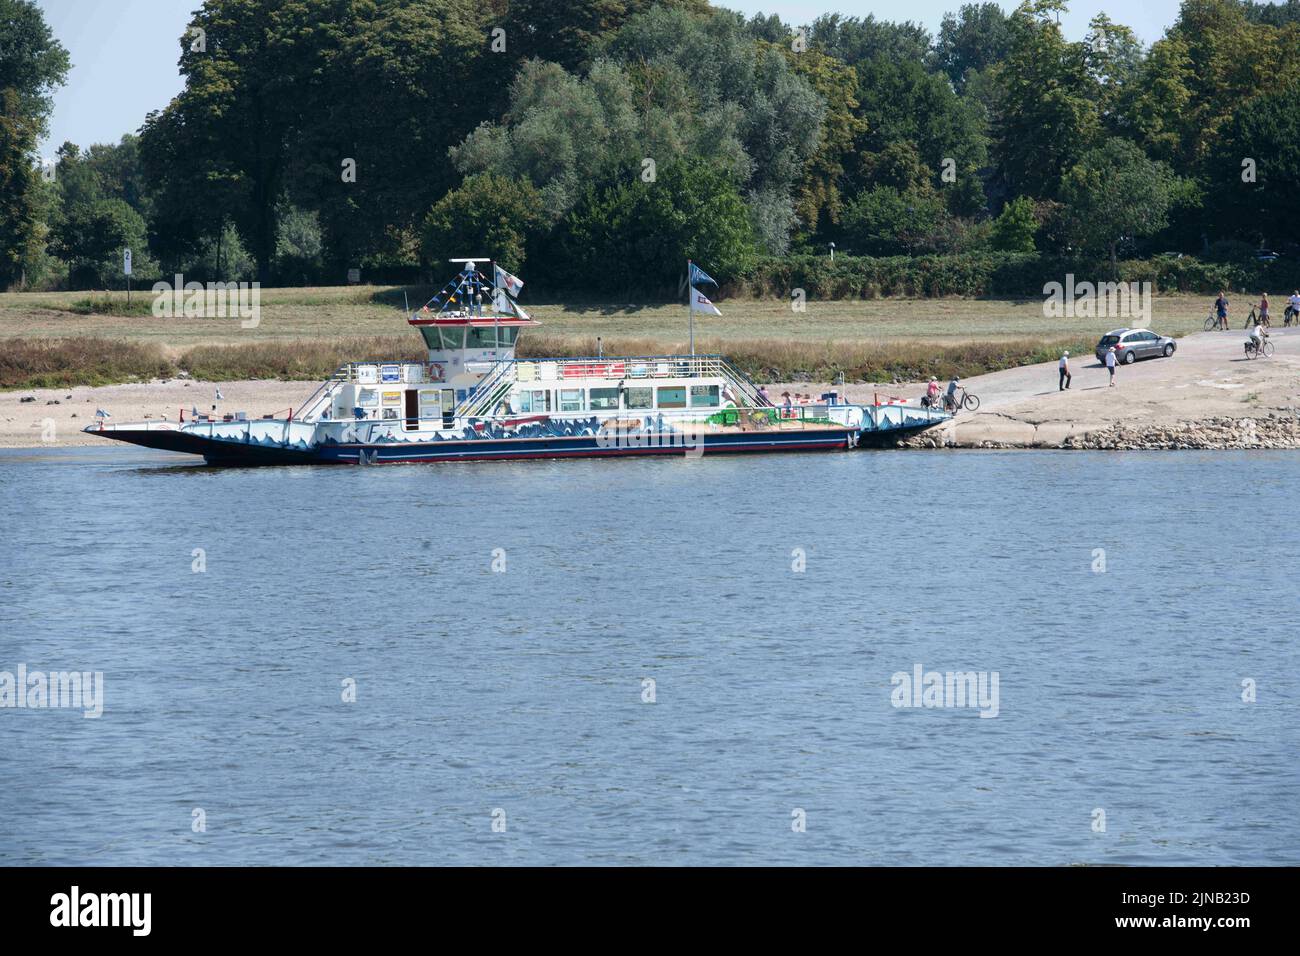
[[1064, 368], [1110, 364]]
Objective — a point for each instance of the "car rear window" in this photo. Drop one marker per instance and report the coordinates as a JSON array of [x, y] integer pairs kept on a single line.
[[1109, 339]]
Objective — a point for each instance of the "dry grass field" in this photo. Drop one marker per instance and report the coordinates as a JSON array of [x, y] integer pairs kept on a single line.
[[84, 338]]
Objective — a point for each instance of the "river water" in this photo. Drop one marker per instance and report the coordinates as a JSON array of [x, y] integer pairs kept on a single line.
[[653, 661]]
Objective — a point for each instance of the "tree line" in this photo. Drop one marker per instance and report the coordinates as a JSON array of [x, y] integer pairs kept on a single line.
[[602, 142]]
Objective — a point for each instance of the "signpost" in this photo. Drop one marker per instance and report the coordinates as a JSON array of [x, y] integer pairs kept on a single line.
[[126, 269]]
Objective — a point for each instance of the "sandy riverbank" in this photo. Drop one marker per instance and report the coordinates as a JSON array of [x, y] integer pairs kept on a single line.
[[1208, 395], [55, 416]]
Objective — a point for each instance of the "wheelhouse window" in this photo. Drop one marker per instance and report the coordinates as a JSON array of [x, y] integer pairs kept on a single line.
[[491, 337], [704, 396], [672, 396], [570, 399], [603, 398], [453, 337], [640, 398]]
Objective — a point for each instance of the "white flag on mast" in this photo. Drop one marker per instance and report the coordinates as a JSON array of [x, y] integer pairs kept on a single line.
[[512, 284], [701, 303]]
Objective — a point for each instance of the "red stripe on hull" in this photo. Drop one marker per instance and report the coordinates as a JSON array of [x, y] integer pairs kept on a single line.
[[623, 453]]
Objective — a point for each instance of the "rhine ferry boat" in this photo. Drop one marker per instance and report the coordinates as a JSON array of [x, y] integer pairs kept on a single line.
[[473, 400]]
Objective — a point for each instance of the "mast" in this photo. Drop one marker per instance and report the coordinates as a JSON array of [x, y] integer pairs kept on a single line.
[[690, 305]]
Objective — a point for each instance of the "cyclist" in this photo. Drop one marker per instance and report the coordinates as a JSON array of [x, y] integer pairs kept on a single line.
[[1263, 310], [1258, 336], [1221, 309]]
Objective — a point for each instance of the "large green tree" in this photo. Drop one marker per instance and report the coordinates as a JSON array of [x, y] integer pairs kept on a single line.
[[884, 221], [487, 214], [32, 66], [1115, 193], [636, 234], [1047, 108], [971, 40], [670, 84], [819, 191], [1255, 182], [90, 239], [568, 33], [855, 39], [900, 102], [345, 107]]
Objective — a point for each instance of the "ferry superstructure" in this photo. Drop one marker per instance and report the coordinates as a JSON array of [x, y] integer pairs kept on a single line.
[[474, 400]]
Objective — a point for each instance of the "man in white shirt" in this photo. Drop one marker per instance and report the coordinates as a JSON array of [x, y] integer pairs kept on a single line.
[[1294, 302], [1257, 335], [1063, 367], [1110, 364]]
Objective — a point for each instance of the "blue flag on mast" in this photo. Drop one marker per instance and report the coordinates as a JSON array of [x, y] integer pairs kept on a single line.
[[698, 275]]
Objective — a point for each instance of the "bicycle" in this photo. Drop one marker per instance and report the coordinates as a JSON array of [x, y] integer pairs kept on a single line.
[[967, 401], [1213, 322], [1252, 320], [1254, 351], [1290, 315]]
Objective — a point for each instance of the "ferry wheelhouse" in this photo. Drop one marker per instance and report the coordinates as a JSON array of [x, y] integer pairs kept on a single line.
[[473, 399]]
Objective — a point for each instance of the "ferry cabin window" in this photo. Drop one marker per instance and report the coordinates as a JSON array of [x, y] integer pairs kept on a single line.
[[570, 399], [704, 396], [672, 396], [491, 337], [453, 338], [603, 398], [535, 402], [640, 398]]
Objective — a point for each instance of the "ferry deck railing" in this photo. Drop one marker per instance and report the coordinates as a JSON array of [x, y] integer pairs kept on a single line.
[[488, 392]]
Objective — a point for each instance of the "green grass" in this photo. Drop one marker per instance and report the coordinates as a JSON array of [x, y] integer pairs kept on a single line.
[[100, 303], [343, 311], [307, 333]]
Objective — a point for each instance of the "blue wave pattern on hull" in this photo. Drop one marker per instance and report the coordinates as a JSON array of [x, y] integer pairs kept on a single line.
[[558, 447]]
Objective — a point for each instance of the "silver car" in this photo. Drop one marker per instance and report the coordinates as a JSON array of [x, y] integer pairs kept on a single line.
[[1133, 344]]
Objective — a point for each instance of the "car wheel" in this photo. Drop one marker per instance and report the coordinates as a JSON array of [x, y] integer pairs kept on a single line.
[[1130, 357], [1169, 349]]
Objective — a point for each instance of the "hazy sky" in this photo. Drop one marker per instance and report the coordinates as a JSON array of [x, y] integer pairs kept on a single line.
[[124, 52]]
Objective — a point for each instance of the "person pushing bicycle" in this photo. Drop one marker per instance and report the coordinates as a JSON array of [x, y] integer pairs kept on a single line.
[[950, 396]]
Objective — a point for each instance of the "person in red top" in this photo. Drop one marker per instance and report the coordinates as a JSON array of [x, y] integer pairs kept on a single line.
[[932, 392]]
